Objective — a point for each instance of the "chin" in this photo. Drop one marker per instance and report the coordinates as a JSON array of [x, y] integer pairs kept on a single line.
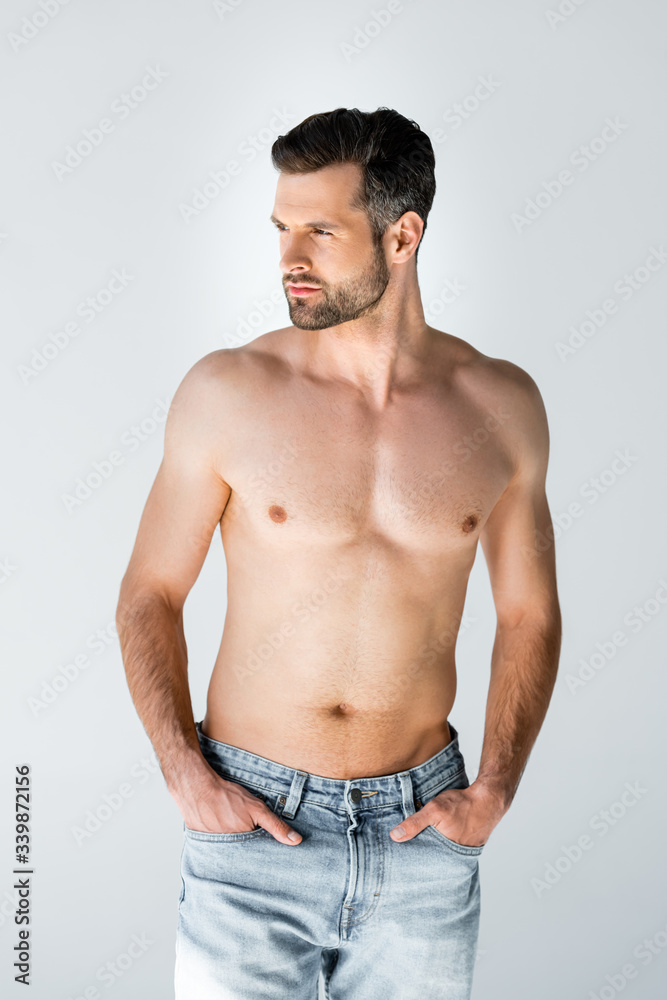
[[307, 326], [302, 321]]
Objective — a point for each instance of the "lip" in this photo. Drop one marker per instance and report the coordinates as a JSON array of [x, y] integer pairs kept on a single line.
[[303, 290]]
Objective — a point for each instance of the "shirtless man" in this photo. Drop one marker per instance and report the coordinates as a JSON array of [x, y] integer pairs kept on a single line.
[[352, 461]]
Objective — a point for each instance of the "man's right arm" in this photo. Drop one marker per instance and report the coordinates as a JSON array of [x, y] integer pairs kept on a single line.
[[183, 508]]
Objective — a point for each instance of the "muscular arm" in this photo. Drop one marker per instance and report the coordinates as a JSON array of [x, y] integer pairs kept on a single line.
[[183, 508], [522, 570], [185, 504]]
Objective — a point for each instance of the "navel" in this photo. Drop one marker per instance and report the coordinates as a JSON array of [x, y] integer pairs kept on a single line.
[[342, 708], [277, 513], [470, 523]]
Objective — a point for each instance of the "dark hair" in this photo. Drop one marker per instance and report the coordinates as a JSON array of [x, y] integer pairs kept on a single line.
[[396, 157]]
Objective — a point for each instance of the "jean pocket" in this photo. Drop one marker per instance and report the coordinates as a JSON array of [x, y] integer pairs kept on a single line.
[[273, 801], [225, 838], [458, 780], [467, 850]]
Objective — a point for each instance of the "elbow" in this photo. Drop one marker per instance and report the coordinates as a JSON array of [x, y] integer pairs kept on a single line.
[[539, 633], [136, 598], [125, 605], [544, 618]]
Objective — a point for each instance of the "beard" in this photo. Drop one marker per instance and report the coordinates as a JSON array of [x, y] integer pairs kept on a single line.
[[341, 303]]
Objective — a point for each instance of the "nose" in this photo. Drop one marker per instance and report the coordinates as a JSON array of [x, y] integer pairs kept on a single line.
[[294, 259]]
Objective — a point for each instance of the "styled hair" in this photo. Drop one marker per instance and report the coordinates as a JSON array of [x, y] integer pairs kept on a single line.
[[396, 158]]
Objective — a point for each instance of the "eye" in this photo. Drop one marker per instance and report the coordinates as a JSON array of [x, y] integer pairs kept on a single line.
[[283, 229]]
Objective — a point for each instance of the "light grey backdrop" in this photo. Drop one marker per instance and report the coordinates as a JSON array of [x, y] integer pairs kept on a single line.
[[546, 245]]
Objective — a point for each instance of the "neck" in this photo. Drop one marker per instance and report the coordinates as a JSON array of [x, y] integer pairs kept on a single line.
[[381, 349]]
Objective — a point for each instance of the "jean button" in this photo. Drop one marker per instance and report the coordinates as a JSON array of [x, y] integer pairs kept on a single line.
[[355, 794]]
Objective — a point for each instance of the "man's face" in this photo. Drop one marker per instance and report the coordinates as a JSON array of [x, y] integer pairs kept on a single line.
[[325, 243]]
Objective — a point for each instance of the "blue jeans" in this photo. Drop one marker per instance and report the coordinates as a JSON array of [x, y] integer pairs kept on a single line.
[[373, 918]]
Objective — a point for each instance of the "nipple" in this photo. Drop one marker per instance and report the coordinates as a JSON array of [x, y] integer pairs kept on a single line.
[[470, 523], [277, 513]]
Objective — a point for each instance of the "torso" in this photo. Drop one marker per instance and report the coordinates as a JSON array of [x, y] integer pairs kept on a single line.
[[349, 537]]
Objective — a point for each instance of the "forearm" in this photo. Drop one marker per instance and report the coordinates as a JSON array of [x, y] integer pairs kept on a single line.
[[524, 667], [154, 655]]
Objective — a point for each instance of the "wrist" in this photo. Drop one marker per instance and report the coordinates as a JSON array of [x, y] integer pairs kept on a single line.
[[189, 772], [495, 791]]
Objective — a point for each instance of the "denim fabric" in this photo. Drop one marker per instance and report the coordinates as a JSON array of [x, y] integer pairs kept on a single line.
[[371, 918]]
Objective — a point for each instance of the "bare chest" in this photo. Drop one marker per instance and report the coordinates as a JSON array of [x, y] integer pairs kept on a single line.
[[425, 472]]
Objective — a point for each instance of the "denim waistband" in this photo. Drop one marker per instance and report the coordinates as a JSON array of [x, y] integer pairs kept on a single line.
[[351, 794]]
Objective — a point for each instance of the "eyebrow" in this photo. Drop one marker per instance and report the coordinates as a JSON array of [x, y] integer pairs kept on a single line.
[[318, 224]]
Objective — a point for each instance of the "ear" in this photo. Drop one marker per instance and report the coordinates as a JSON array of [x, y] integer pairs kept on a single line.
[[405, 235]]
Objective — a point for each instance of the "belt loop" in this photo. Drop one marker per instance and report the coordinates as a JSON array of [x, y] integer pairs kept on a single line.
[[294, 797], [407, 791]]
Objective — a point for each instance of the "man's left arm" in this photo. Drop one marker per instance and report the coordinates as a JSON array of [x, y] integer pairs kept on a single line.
[[518, 544], [517, 541]]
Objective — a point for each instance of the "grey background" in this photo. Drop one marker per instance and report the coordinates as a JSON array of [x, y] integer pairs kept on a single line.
[[194, 284]]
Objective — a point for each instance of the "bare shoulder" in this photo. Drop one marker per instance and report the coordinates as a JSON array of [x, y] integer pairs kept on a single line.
[[275, 352], [203, 402], [509, 384], [221, 386], [511, 396], [202, 383], [215, 375], [519, 399]]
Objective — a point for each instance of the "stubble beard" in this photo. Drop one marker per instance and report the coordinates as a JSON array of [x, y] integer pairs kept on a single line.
[[353, 298]]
